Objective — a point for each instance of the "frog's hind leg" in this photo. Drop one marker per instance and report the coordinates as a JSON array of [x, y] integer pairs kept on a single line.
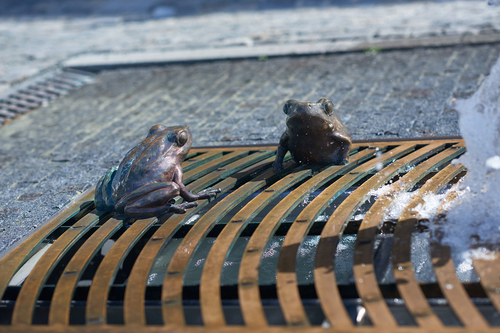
[[103, 192], [150, 201]]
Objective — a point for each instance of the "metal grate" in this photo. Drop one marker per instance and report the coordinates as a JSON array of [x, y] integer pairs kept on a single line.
[[309, 247], [41, 93]]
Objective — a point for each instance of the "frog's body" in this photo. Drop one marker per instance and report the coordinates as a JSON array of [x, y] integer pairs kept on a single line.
[[314, 134], [150, 177]]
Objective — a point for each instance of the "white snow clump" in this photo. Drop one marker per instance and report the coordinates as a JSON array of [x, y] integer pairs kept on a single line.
[[472, 225]]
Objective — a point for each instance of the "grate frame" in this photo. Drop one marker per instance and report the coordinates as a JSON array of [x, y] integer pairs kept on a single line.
[[256, 205]]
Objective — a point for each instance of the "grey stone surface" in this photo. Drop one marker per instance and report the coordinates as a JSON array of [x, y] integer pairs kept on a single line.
[[36, 36], [49, 156]]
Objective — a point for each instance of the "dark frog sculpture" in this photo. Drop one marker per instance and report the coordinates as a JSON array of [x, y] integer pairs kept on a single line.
[[314, 135], [150, 177]]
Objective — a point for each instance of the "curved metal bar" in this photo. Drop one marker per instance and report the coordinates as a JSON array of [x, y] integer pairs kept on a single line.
[[364, 275], [97, 299], [324, 274], [450, 285], [288, 291], [173, 312], [19, 255], [32, 286], [249, 293], [134, 309], [406, 281], [210, 295], [65, 287]]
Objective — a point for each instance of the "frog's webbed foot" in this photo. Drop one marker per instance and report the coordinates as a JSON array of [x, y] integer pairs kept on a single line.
[[277, 166], [181, 208], [208, 194]]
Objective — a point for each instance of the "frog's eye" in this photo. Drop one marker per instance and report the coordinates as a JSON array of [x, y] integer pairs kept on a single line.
[[182, 138], [327, 106], [287, 108]]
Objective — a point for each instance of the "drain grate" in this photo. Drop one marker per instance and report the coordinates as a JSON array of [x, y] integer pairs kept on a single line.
[[309, 247], [41, 93]]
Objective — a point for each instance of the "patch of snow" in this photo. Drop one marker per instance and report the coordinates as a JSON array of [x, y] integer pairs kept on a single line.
[[398, 204], [431, 203], [493, 162], [471, 226]]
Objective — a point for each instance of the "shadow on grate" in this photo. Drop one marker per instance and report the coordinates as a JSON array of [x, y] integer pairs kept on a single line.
[[325, 246]]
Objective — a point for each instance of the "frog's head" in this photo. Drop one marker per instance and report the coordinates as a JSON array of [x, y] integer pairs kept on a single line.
[[181, 139], [317, 115]]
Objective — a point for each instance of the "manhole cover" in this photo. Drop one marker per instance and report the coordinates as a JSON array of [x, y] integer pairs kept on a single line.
[[307, 247]]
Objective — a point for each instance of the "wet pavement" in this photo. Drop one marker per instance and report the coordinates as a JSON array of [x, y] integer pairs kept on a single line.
[[52, 154]]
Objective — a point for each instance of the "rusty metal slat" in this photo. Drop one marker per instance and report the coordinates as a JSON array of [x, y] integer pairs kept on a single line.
[[79, 77], [42, 94], [172, 285], [248, 276], [134, 307], [453, 289], [448, 198], [48, 88], [288, 292], [229, 329], [6, 113], [215, 214], [63, 293], [30, 97], [210, 296], [324, 274], [364, 274], [200, 160], [20, 102], [19, 255], [287, 287], [134, 310], [406, 281], [71, 82], [25, 303], [213, 165], [487, 270], [444, 270], [15, 108], [134, 297], [227, 170], [95, 311], [54, 83]]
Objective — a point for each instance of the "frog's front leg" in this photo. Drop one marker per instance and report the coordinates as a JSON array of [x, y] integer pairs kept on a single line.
[[152, 200], [280, 154]]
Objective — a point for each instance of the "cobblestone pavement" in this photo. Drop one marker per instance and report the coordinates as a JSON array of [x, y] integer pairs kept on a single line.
[[33, 44], [49, 156]]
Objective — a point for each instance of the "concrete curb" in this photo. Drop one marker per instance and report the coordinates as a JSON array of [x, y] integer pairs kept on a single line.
[[95, 62]]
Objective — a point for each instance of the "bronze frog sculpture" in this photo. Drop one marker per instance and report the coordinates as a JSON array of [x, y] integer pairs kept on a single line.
[[314, 134], [150, 177]]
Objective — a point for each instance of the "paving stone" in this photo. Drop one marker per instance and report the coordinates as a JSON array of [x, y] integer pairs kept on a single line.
[[51, 155]]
